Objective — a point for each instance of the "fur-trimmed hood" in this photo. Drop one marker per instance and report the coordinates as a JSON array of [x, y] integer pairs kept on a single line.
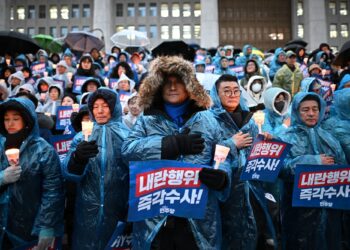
[[166, 65]]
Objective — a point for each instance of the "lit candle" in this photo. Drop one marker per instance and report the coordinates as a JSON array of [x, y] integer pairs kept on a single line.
[[220, 155], [87, 127], [75, 107], [259, 118], [12, 155]]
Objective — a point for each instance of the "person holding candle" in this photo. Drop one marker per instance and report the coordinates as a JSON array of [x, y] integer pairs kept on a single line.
[[246, 222], [176, 125], [32, 193], [98, 169]]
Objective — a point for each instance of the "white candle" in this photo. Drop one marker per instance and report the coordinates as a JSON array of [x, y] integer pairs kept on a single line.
[[87, 127], [12, 155], [220, 155]]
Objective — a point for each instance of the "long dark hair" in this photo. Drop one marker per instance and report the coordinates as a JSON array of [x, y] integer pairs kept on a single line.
[[128, 70]]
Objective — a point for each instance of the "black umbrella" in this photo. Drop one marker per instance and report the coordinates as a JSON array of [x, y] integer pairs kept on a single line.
[[83, 41], [294, 47], [13, 42], [172, 48], [298, 41], [343, 57]]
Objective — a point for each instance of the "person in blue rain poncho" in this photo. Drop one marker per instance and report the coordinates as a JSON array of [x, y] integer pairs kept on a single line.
[[277, 103], [279, 59], [245, 217], [247, 51], [31, 191], [309, 228], [339, 126], [177, 126], [98, 169]]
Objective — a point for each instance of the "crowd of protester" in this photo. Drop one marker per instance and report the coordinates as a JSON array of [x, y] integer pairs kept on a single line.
[[146, 108]]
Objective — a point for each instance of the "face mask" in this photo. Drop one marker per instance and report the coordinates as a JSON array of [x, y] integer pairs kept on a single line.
[[256, 87], [279, 106]]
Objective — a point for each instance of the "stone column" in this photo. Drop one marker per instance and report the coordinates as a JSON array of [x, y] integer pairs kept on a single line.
[[315, 23], [102, 17], [209, 23]]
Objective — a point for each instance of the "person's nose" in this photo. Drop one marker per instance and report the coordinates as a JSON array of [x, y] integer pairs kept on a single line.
[[100, 110], [173, 85]]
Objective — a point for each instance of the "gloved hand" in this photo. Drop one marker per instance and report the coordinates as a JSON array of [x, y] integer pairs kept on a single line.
[[11, 174], [44, 243], [190, 144], [181, 144], [85, 150], [215, 179]]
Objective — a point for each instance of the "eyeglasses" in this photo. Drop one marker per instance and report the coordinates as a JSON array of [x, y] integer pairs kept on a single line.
[[235, 92]]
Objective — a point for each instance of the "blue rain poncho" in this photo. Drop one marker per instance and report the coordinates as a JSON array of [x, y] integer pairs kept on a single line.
[[239, 223], [308, 228], [35, 203], [102, 189], [145, 143], [339, 126]]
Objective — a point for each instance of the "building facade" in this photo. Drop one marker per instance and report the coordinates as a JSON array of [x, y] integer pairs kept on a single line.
[[264, 24], [318, 21]]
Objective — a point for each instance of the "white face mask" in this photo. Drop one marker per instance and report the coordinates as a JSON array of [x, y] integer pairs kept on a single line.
[[256, 87]]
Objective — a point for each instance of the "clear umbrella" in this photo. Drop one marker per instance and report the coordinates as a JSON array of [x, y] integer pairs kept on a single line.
[[130, 38]]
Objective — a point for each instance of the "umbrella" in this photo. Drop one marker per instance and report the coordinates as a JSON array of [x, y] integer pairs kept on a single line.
[[16, 43], [83, 41], [294, 47], [48, 43], [298, 41], [343, 57], [171, 48], [130, 38]]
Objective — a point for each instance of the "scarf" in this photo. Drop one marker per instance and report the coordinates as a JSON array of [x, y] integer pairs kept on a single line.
[[15, 140], [176, 111]]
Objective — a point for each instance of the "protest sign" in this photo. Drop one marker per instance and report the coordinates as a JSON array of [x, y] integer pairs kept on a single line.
[[60, 82], [265, 160], [166, 188], [207, 80], [239, 70], [63, 114], [112, 83], [38, 69], [121, 238], [78, 83], [326, 186], [62, 143]]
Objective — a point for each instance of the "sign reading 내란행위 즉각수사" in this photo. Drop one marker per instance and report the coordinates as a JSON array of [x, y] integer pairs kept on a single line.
[[63, 114], [166, 188], [326, 186], [265, 160], [61, 144], [78, 83]]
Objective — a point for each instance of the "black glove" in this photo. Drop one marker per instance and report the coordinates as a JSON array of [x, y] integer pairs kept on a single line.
[[85, 150], [215, 179], [181, 144]]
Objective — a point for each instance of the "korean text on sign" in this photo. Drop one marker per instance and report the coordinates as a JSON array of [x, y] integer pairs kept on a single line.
[[265, 160], [61, 144], [78, 83], [63, 114], [165, 187], [322, 186]]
